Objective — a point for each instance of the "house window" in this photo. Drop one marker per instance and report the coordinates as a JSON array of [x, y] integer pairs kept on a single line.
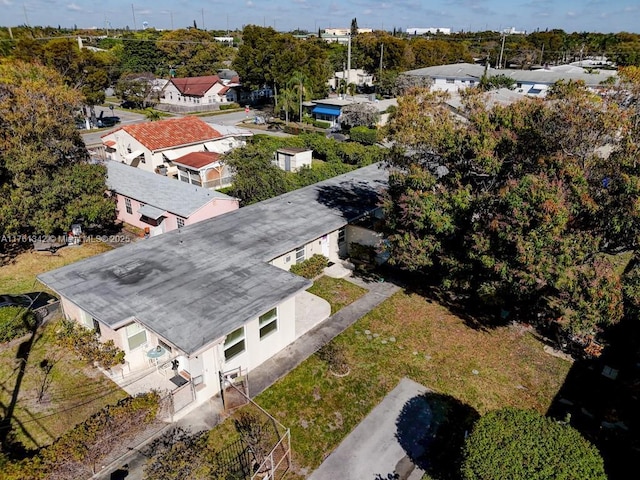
[[472, 82], [268, 322], [451, 80], [180, 221], [127, 204], [234, 344], [300, 255], [96, 326], [342, 236], [164, 345], [136, 335]]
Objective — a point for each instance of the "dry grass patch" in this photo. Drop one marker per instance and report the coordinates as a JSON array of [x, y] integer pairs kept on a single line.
[[20, 275], [410, 336]]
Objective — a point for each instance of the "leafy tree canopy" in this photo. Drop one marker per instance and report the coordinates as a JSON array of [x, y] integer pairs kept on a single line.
[[46, 180], [516, 206]]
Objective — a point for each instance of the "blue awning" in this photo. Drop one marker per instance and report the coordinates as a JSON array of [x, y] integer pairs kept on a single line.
[[326, 110]]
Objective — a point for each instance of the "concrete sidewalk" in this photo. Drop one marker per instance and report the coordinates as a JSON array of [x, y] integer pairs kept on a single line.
[[266, 374]]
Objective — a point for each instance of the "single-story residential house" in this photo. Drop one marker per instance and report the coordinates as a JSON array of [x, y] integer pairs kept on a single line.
[[195, 92], [527, 82], [329, 109], [216, 296], [357, 76], [160, 204], [293, 159], [152, 146]]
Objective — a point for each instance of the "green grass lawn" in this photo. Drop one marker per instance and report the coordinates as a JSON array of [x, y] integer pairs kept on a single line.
[[76, 390], [337, 291], [433, 347]]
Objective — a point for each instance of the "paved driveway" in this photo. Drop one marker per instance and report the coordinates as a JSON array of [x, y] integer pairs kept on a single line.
[[373, 450]]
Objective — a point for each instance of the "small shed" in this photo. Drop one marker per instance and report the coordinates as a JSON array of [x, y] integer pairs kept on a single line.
[[293, 159]]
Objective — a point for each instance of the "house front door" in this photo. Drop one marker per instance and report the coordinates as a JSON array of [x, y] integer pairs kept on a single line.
[[324, 243]]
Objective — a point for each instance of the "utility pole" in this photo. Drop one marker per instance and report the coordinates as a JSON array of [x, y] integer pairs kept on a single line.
[[26, 18], [504, 35], [381, 55], [133, 12], [171, 14], [542, 56], [202, 13], [349, 62]]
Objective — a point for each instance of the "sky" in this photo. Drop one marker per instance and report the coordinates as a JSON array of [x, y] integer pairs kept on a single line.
[[285, 15]]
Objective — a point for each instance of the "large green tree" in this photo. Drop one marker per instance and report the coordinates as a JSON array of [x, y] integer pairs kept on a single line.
[[46, 180], [523, 445], [517, 206]]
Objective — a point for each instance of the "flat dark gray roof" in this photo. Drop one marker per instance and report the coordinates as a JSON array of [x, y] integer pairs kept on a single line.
[[194, 285]]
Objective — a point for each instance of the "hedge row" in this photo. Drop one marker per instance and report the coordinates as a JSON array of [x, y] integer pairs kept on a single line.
[[77, 453]]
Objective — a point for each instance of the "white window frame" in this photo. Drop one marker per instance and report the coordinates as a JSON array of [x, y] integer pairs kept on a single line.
[[231, 342], [180, 222], [127, 206], [132, 331], [300, 258], [268, 323]]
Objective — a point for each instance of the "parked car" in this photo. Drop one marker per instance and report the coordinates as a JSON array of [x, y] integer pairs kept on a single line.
[[107, 121], [130, 104], [34, 300]]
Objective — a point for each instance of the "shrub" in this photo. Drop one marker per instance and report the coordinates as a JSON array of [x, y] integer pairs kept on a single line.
[[15, 322], [311, 267], [524, 445], [229, 106], [364, 135], [86, 343], [321, 124]]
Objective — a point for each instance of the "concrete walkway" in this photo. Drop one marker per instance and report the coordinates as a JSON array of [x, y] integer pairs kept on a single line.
[[206, 416], [266, 374]]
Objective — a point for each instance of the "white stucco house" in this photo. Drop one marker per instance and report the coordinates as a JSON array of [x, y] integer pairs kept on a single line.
[[329, 109], [153, 146], [217, 296], [194, 91]]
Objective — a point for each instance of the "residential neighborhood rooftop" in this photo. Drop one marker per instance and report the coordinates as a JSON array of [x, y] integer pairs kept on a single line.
[[161, 192], [170, 133], [544, 75], [195, 85], [195, 284], [197, 159]]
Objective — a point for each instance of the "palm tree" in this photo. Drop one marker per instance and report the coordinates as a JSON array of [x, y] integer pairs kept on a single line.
[[151, 114], [287, 100], [301, 83]]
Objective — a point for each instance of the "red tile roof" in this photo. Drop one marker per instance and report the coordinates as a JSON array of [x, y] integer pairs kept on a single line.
[[223, 90], [196, 86], [109, 143], [198, 160], [173, 132]]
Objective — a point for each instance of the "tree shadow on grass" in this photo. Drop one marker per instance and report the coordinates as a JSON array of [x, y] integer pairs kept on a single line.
[[431, 428]]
